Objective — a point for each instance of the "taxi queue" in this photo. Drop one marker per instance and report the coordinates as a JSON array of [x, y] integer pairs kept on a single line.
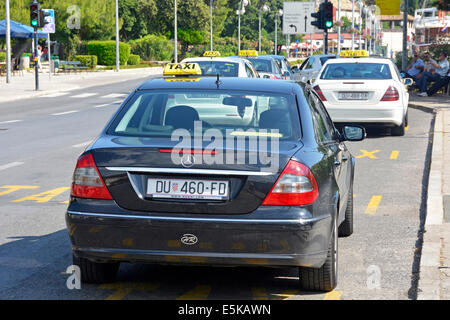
[[158, 185]]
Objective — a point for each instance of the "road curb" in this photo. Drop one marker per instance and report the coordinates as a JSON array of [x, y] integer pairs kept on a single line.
[[422, 107], [429, 286]]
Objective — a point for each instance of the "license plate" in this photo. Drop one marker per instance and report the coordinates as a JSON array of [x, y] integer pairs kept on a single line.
[[353, 95], [188, 189]]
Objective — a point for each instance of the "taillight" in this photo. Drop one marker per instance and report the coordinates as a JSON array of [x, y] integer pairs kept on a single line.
[[320, 93], [296, 186], [391, 94], [87, 182], [274, 77]]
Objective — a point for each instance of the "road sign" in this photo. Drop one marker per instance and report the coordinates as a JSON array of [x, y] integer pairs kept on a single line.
[[297, 18], [50, 26]]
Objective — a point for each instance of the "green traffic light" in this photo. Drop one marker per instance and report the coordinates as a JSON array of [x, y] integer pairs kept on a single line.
[[329, 24], [34, 23]]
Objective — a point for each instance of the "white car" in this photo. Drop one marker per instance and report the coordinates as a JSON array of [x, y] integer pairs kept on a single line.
[[364, 90], [225, 67]]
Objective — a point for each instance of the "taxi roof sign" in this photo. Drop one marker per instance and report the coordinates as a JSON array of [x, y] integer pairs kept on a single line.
[[182, 69], [248, 53], [211, 54], [354, 53]]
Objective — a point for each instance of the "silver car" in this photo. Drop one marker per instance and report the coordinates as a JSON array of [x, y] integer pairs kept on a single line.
[[311, 67]]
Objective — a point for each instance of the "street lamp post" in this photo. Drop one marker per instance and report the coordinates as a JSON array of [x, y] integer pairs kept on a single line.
[[277, 14], [353, 24], [175, 38], [339, 28], [8, 43], [211, 22], [117, 37], [241, 10], [360, 4], [264, 8]]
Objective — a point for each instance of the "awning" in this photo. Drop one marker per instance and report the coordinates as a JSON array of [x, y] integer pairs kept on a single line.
[[19, 30]]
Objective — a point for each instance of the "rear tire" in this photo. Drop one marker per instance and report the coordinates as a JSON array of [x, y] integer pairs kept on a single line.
[[95, 272], [325, 277], [346, 227], [400, 130]]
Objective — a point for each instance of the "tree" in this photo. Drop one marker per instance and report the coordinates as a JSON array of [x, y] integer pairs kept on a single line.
[[135, 16]]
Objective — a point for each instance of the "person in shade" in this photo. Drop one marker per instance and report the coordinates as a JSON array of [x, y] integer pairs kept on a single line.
[[416, 67], [439, 72], [444, 82]]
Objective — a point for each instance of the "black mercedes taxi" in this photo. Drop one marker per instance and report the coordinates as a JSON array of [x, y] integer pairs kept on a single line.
[[215, 171]]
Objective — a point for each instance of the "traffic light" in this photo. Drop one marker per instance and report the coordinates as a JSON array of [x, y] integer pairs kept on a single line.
[[42, 18], [328, 15], [320, 18], [35, 9]]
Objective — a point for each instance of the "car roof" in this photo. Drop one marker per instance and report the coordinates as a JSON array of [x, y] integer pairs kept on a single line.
[[359, 60], [226, 83], [224, 59], [264, 57]]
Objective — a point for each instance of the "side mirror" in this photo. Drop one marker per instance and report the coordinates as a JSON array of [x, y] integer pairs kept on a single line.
[[286, 74], [408, 81], [308, 82], [353, 133]]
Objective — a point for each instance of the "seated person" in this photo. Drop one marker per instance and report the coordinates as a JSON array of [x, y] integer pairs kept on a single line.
[[435, 75], [415, 68], [444, 82]]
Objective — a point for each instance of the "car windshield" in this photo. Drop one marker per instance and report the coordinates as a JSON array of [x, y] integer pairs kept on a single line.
[[264, 65], [369, 71], [223, 68], [233, 113], [325, 59]]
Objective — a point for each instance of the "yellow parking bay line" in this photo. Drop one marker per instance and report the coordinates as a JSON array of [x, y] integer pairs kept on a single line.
[[407, 128], [333, 295], [200, 292], [259, 294], [123, 289], [394, 155], [373, 205]]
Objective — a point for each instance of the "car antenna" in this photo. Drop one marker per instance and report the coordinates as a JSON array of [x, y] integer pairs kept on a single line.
[[218, 81]]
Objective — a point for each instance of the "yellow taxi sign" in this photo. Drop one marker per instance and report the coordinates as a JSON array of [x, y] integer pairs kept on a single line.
[[354, 53], [182, 69], [182, 79], [211, 54], [248, 53]]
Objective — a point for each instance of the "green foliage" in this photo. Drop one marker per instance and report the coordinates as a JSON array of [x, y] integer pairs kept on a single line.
[[436, 49], [86, 60], [153, 47], [106, 52], [136, 17], [134, 60], [2, 56]]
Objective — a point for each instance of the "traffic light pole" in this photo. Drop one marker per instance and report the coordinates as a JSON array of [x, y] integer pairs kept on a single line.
[[36, 60], [325, 39]]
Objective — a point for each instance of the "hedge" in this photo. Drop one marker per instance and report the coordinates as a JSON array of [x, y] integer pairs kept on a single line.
[[106, 52], [152, 47], [86, 60], [134, 60], [2, 56]]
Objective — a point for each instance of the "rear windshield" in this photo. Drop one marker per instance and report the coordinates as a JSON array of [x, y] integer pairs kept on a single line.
[[370, 71], [212, 68], [263, 65], [159, 114], [325, 59]]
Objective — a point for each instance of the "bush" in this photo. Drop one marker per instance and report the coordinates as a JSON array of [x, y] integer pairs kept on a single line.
[[2, 56], [106, 52], [134, 60], [152, 47], [89, 61]]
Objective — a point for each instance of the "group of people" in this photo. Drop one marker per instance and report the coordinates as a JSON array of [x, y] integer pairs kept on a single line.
[[429, 70]]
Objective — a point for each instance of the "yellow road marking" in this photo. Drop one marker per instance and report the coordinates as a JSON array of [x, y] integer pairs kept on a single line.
[[200, 292], [373, 205], [286, 294], [65, 202], [333, 295], [44, 196], [394, 155], [368, 154], [407, 128], [259, 294], [15, 188], [123, 289]]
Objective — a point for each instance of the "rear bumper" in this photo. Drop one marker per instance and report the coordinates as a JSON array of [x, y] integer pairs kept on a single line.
[[270, 236], [373, 114]]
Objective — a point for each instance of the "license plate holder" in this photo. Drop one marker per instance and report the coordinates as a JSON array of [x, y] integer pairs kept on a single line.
[[188, 189]]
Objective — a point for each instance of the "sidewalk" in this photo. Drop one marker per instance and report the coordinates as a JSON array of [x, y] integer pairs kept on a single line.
[[434, 281], [22, 87]]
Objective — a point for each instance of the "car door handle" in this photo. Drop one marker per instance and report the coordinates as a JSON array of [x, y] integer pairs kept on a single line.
[[344, 159], [337, 163]]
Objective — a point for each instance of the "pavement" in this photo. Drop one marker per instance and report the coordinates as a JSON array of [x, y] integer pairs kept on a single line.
[[434, 279], [23, 86]]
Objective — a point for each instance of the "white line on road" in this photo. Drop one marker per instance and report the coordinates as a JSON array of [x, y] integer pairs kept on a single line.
[[63, 113], [10, 165], [117, 102], [114, 95], [84, 144], [56, 94], [102, 105], [10, 121], [84, 95]]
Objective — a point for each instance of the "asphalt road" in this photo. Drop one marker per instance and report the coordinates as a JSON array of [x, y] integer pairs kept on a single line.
[[41, 139]]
